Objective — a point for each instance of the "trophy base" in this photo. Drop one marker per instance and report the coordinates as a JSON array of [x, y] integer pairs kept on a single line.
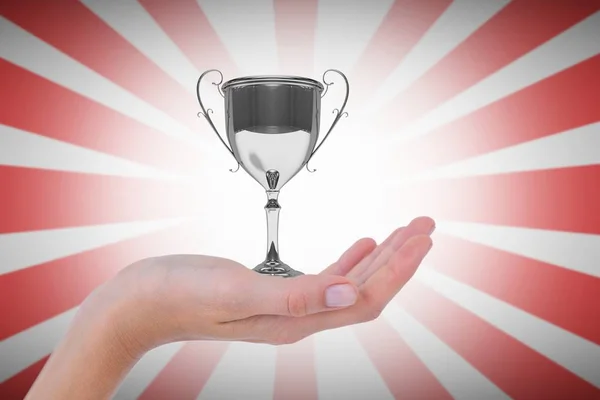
[[276, 268]]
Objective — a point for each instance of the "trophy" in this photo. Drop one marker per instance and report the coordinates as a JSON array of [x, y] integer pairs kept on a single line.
[[272, 125]]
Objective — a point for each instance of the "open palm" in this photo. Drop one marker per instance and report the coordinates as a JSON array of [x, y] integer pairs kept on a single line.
[[192, 297]]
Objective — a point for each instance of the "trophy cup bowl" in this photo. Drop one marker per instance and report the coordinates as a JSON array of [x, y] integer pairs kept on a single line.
[[272, 125]]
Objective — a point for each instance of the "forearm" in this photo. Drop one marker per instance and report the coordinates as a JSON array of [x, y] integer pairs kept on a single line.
[[92, 359]]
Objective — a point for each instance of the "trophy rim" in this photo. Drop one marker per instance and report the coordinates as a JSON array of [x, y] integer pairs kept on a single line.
[[272, 79]]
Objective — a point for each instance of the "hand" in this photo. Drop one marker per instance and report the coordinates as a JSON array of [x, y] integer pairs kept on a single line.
[[188, 297], [192, 297]]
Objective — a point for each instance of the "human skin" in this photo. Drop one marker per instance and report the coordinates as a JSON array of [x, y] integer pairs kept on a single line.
[[194, 297]]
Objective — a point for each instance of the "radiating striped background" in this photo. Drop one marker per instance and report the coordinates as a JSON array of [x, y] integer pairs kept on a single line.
[[484, 114]]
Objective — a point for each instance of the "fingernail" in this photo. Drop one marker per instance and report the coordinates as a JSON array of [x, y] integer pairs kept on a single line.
[[432, 229], [340, 295]]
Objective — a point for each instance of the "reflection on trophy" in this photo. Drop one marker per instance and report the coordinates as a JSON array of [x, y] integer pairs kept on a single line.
[[272, 125]]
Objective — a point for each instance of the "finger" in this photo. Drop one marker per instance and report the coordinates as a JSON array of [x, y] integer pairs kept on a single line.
[[351, 257], [375, 293], [418, 226], [380, 288], [299, 296], [368, 259]]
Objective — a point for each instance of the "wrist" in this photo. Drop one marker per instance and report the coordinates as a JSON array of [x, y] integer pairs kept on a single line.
[[94, 356], [131, 310], [107, 319]]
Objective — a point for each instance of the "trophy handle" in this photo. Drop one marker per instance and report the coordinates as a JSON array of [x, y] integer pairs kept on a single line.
[[340, 112], [205, 112]]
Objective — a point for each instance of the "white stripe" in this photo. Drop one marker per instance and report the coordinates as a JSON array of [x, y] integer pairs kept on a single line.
[[246, 371], [133, 22], [456, 24], [344, 370], [29, 52], [344, 29], [24, 249], [144, 372], [32, 344], [23, 149], [565, 50], [457, 376], [572, 352], [573, 148], [247, 29], [575, 251]]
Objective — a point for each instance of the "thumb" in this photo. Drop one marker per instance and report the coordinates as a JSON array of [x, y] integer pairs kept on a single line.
[[303, 295]]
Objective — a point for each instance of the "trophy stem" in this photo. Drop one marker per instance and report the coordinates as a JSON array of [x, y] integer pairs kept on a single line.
[[273, 264], [272, 209]]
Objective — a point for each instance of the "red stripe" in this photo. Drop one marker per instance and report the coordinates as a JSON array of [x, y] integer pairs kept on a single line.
[[34, 104], [76, 31], [189, 28], [43, 199], [46, 290], [16, 387], [515, 368], [565, 298], [403, 372], [562, 102], [516, 30], [557, 199], [295, 375], [404, 25], [295, 26], [187, 372]]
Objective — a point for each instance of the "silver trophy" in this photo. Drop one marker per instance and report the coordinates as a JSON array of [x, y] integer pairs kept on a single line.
[[272, 125]]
